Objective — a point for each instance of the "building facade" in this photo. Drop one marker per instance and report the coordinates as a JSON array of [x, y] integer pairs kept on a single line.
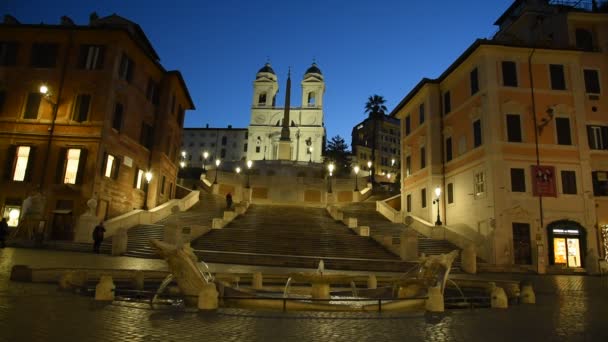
[[386, 159], [226, 144], [94, 129], [307, 131], [516, 138]]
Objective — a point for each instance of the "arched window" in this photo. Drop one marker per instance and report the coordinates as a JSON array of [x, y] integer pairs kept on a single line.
[[584, 39], [311, 99], [262, 99]]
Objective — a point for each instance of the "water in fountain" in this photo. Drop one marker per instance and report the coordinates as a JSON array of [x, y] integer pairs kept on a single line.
[[287, 288], [353, 287], [161, 288], [321, 267], [205, 271]]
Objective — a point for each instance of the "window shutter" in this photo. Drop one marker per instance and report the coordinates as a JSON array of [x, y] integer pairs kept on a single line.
[[82, 165], [117, 162], [590, 137], [84, 52], [135, 178], [10, 162], [29, 171], [60, 171], [605, 137], [103, 163], [102, 50]]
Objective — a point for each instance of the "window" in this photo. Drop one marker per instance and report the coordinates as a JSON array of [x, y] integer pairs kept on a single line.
[[408, 165], [91, 57], [152, 91], [125, 71], [245, 147], [509, 74], [146, 136], [518, 180], [584, 39], [257, 149], [563, 131], [423, 198], [138, 182], [311, 99], [479, 183], [474, 81], [408, 126], [448, 149], [223, 153], [450, 193], [421, 113], [8, 53], [592, 81], [558, 80], [447, 104], [422, 157], [408, 203], [117, 119], [32, 106], [476, 133], [81, 107], [598, 137], [110, 166], [2, 99], [262, 99], [224, 140], [162, 185], [44, 55], [21, 163], [71, 165], [568, 182], [513, 128], [600, 183], [180, 116]]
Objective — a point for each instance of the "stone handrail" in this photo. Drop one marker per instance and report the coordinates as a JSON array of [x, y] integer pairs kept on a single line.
[[387, 211]]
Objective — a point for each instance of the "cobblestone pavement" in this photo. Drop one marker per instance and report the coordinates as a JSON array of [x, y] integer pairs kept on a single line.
[[569, 308]]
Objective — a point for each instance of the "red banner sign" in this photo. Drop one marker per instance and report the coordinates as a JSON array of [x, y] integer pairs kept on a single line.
[[543, 181]]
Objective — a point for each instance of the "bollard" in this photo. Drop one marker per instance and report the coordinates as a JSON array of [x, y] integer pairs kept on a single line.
[[208, 297], [498, 297], [257, 281], [104, 291], [372, 282], [138, 280], [435, 301], [527, 295]]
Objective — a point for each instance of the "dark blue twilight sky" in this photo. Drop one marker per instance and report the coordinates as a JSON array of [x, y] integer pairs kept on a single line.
[[362, 47]]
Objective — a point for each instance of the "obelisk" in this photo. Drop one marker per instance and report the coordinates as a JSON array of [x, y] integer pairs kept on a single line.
[[285, 141]]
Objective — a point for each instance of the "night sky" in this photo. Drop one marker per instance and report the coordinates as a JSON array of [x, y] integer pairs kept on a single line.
[[362, 47]]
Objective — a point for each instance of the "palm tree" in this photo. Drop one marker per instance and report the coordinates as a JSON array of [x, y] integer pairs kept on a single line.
[[376, 109]]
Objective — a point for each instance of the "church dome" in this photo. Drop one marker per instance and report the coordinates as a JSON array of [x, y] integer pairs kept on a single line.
[[314, 69], [267, 68]]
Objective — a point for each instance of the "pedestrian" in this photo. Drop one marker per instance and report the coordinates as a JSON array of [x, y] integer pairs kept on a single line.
[[98, 236], [228, 200], [3, 232]]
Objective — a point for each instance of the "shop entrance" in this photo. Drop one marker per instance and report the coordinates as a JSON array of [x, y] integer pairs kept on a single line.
[[567, 242], [521, 244]]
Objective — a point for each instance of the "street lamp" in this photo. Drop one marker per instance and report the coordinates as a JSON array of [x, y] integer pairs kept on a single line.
[[45, 91], [393, 162], [182, 164], [330, 167], [388, 176], [238, 170], [310, 152], [369, 169], [356, 169], [436, 201], [205, 156], [249, 164], [217, 166], [148, 177]]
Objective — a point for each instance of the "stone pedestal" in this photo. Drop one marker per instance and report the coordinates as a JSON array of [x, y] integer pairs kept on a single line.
[[83, 231], [408, 248], [257, 281], [469, 259], [350, 222], [372, 282], [229, 215], [284, 150], [320, 291], [434, 303], [363, 231], [208, 297], [104, 291], [119, 242]]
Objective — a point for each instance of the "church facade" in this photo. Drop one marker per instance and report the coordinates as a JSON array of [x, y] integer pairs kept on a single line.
[[306, 126]]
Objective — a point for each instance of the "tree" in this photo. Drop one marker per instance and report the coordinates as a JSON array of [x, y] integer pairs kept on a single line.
[[376, 109], [337, 152]]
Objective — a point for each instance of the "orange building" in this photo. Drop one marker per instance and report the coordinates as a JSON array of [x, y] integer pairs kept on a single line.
[[517, 140], [86, 111]]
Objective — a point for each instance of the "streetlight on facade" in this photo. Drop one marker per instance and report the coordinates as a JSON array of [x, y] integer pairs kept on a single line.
[[330, 167], [356, 169], [148, 178], [369, 169], [238, 170], [182, 164], [436, 201], [249, 164], [45, 91], [217, 166], [205, 156], [393, 162]]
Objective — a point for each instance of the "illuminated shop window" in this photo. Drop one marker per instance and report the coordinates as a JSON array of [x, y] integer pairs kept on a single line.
[[12, 214], [23, 153], [109, 165], [139, 181], [71, 167]]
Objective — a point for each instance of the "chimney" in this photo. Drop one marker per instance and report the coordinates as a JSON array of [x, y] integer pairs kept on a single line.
[[67, 21], [10, 20], [93, 17]]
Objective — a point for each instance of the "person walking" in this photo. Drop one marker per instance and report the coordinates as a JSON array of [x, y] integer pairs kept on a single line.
[[228, 200], [3, 232], [98, 236]]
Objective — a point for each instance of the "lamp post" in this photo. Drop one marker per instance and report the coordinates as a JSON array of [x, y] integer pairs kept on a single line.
[[310, 152], [369, 169], [356, 169], [330, 167], [205, 156], [436, 201], [44, 90], [182, 164], [148, 177], [217, 166], [249, 164]]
